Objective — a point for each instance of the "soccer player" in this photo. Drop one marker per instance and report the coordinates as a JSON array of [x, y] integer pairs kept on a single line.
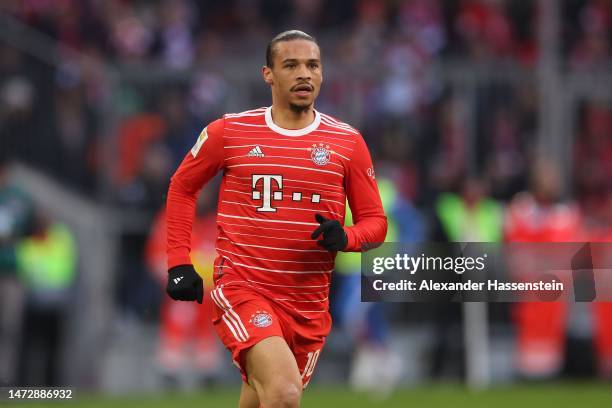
[[287, 172]]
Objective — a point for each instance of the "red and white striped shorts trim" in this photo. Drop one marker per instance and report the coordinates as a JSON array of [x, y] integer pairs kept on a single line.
[[230, 317]]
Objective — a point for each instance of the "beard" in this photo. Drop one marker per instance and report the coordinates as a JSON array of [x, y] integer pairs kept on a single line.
[[300, 108]]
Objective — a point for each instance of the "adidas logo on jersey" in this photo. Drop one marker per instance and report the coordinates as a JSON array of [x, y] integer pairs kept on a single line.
[[255, 152]]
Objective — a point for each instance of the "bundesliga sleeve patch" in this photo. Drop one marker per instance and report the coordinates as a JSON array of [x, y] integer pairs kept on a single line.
[[201, 139]]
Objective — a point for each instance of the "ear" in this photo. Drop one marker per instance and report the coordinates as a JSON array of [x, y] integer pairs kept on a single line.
[[267, 75]]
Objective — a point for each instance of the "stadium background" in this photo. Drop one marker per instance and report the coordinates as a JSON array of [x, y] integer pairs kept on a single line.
[[101, 99]]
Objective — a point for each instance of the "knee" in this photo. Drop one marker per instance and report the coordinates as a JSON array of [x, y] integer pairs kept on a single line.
[[283, 393]]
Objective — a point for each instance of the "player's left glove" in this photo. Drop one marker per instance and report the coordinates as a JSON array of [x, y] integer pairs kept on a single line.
[[334, 237]]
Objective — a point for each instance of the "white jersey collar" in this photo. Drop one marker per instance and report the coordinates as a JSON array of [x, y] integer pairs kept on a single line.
[[292, 132]]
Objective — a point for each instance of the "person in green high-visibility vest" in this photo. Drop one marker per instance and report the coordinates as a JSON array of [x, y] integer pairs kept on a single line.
[[375, 367], [468, 215], [47, 267]]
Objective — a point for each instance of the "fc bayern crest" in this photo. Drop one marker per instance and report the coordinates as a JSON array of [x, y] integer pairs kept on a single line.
[[261, 319], [320, 154]]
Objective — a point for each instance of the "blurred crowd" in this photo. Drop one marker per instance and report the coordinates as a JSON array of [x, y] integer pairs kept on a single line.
[[76, 117], [133, 82]]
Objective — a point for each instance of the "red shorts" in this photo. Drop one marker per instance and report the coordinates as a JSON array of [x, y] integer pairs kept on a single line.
[[243, 317]]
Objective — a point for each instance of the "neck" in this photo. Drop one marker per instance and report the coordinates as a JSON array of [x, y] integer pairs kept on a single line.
[[290, 118]]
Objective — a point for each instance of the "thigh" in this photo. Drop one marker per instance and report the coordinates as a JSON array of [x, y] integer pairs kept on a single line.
[[269, 363]]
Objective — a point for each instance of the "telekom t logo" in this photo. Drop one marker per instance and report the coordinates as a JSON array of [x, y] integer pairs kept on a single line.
[[268, 194]]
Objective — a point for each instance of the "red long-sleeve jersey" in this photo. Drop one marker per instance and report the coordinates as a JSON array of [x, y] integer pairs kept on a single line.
[[274, 182]]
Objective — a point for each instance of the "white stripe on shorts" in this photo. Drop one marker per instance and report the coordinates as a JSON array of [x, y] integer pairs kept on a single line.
[[230, 317]]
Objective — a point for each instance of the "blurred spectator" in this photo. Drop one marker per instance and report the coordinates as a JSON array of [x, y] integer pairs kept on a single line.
[[208, 94], [470, 216], [17, 96], [367, 33], [174, 42], [467, 216], [75, 127], [134, 134], [506, 162], [593, 166], [147, 190], [16, 222], [600, 230], [422, 21], [485, 29], [151, 146], [450, 157], [47, 263], [538, 215], [131, 32], [181, 127], [592, 48]]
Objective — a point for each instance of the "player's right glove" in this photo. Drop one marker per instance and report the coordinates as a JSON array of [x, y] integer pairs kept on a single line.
[[184, 283], [334, 237]]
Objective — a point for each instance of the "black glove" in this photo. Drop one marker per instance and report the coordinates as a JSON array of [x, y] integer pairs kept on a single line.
[[334, 237], [184, 283]]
